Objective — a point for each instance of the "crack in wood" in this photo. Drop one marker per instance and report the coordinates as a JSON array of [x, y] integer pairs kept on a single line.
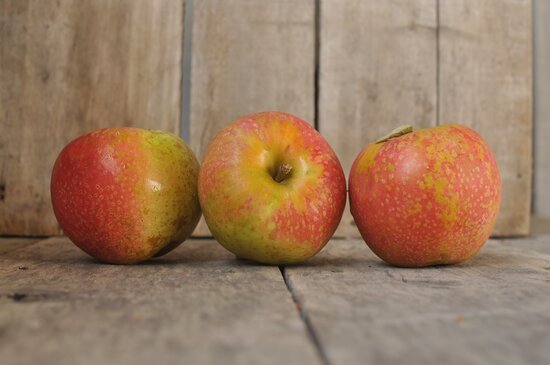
[[17, 297], [311, 332], [28, 296]]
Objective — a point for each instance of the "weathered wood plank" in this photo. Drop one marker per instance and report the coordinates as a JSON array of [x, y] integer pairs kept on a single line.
[[541, 63], [249, 56], [71, 66], [8, 244], [197, 305], [377, 71], [485, 82], [490, 310], [540, 225], [538, 240]]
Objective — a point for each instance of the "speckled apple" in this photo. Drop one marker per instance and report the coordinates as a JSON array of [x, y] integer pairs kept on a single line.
[[124, 195], [271, 189], [428, 197]]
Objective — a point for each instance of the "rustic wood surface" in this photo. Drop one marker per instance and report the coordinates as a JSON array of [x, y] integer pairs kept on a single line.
[[541, 63], [485, 83], [8, 244], [490, 310], [539, 239], [200, 305], [377, 72], [68, 67], [249, 56]]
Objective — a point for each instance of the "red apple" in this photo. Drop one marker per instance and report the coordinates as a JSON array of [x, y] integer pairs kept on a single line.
[[271, 189], [124, 195], [425, 198]]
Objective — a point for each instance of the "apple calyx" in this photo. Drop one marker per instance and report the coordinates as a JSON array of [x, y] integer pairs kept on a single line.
[[283, 171], [397, 132]]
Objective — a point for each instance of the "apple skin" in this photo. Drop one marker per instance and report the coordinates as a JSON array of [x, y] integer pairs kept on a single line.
[[256, 217], [124, 195], [430, 197]]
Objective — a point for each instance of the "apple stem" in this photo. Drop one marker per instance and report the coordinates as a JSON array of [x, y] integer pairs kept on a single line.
[[282, 172], [397, 132]]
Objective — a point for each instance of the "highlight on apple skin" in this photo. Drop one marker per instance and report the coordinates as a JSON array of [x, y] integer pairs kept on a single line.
[[429, 197], [124, 195], [271, 189]]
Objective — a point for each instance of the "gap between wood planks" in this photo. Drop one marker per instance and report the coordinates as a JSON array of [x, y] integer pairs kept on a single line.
[[437, 64], [311, 331], [317, 62]]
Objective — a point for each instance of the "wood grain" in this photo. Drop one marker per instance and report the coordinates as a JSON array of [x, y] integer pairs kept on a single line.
[[197, 305], [249, 56], [68, 67], [540, 226], [200, 305], [377, 71], [541, 63], [485, 83], [8, 244], [490, 310]]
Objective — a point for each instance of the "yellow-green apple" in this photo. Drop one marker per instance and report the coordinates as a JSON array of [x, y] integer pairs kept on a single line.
[[424, 198], [124, 195], [271, 188]]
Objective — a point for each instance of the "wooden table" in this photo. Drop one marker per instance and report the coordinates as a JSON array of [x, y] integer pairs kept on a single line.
[[199, 305]]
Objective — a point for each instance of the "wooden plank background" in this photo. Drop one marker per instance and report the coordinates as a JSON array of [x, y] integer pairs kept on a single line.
[[249, 56], [68, 67], [73, 66], [485, 83], [377, 72]]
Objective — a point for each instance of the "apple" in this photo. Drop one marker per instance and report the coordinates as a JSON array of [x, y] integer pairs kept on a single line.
[[429, 197], [124, 195], [271, 189]]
